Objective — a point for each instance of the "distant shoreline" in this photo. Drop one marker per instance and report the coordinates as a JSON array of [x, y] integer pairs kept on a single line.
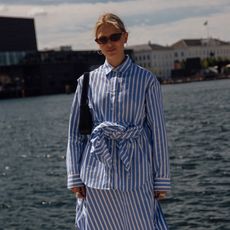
[[196, 78], [19, 93]]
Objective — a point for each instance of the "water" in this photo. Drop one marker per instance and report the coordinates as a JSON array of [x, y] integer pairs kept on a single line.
[[33, 134]]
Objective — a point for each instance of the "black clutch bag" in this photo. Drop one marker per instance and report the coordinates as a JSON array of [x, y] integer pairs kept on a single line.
[[85, 121]]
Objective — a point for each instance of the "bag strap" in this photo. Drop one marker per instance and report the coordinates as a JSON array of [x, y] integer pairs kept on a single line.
[[84, 94]]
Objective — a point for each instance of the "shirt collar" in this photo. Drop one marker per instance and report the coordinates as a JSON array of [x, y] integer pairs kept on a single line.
[[119, 69]]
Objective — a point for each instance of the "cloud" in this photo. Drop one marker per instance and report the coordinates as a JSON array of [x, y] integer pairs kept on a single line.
[[162, 22], [36, 11], [55, 2], [3, 8], [169, 33]]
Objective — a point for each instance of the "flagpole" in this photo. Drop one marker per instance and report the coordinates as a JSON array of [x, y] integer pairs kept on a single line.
[[207, 28]]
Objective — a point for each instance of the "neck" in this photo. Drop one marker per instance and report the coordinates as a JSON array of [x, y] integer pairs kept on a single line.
[[116, 61]]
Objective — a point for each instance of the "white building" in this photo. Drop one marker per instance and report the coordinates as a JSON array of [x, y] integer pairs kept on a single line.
[[157, 58], [162, 59]]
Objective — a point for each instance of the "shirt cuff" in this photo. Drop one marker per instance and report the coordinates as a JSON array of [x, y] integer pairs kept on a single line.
[[74, 181], [162, 184]]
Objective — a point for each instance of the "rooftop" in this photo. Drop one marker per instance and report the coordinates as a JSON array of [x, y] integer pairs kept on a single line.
[[198, 42], [148, 47]]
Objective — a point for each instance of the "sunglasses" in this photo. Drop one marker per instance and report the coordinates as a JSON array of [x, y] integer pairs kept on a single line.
[[113, 38]]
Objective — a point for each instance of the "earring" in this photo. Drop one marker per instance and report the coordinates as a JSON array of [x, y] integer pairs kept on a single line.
[[99, 52]]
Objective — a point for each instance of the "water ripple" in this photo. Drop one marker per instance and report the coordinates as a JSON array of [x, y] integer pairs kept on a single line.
[[33, 174]]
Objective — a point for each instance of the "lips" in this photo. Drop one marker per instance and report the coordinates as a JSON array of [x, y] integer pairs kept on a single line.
[[110, 50]]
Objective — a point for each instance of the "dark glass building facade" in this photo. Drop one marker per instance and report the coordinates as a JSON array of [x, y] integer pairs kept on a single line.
[[17, 35]]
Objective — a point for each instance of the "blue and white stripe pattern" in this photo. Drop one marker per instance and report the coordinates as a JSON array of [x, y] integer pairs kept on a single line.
[[128, 145], [113, 210], [124, 137]]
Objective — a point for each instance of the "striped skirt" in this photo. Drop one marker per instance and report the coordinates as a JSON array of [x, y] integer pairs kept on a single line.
[[118, 210]]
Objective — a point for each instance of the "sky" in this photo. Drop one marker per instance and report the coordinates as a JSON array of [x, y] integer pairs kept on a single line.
[[71, 22]]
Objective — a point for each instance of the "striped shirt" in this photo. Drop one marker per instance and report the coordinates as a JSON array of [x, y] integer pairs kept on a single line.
[[128, 146]]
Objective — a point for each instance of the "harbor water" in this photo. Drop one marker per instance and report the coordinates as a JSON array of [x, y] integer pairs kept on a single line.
[[33, 137]]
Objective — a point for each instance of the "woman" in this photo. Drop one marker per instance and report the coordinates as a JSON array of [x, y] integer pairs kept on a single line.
[[121, 170]]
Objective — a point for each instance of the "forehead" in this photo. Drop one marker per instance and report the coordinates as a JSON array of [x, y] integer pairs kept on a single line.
[[107, 29]]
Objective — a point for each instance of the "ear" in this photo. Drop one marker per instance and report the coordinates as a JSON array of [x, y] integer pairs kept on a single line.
[[126, 35]]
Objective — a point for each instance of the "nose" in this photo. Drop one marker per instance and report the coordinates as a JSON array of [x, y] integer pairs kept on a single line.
[[110, 43]]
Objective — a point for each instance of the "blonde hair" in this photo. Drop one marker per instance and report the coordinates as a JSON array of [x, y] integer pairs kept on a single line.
[[111, 19]]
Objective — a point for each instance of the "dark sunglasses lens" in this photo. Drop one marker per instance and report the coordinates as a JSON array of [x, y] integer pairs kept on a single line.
[[102, 40], [115, 37], [112, 37]]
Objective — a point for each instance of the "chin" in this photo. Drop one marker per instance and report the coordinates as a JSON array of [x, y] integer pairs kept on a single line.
[[112, 53]]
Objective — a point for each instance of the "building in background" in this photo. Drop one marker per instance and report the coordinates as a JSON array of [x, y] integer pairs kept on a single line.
[[46, 72], [166, 61], [156, 58], [17, 35], [17, 38], [25, 71]]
